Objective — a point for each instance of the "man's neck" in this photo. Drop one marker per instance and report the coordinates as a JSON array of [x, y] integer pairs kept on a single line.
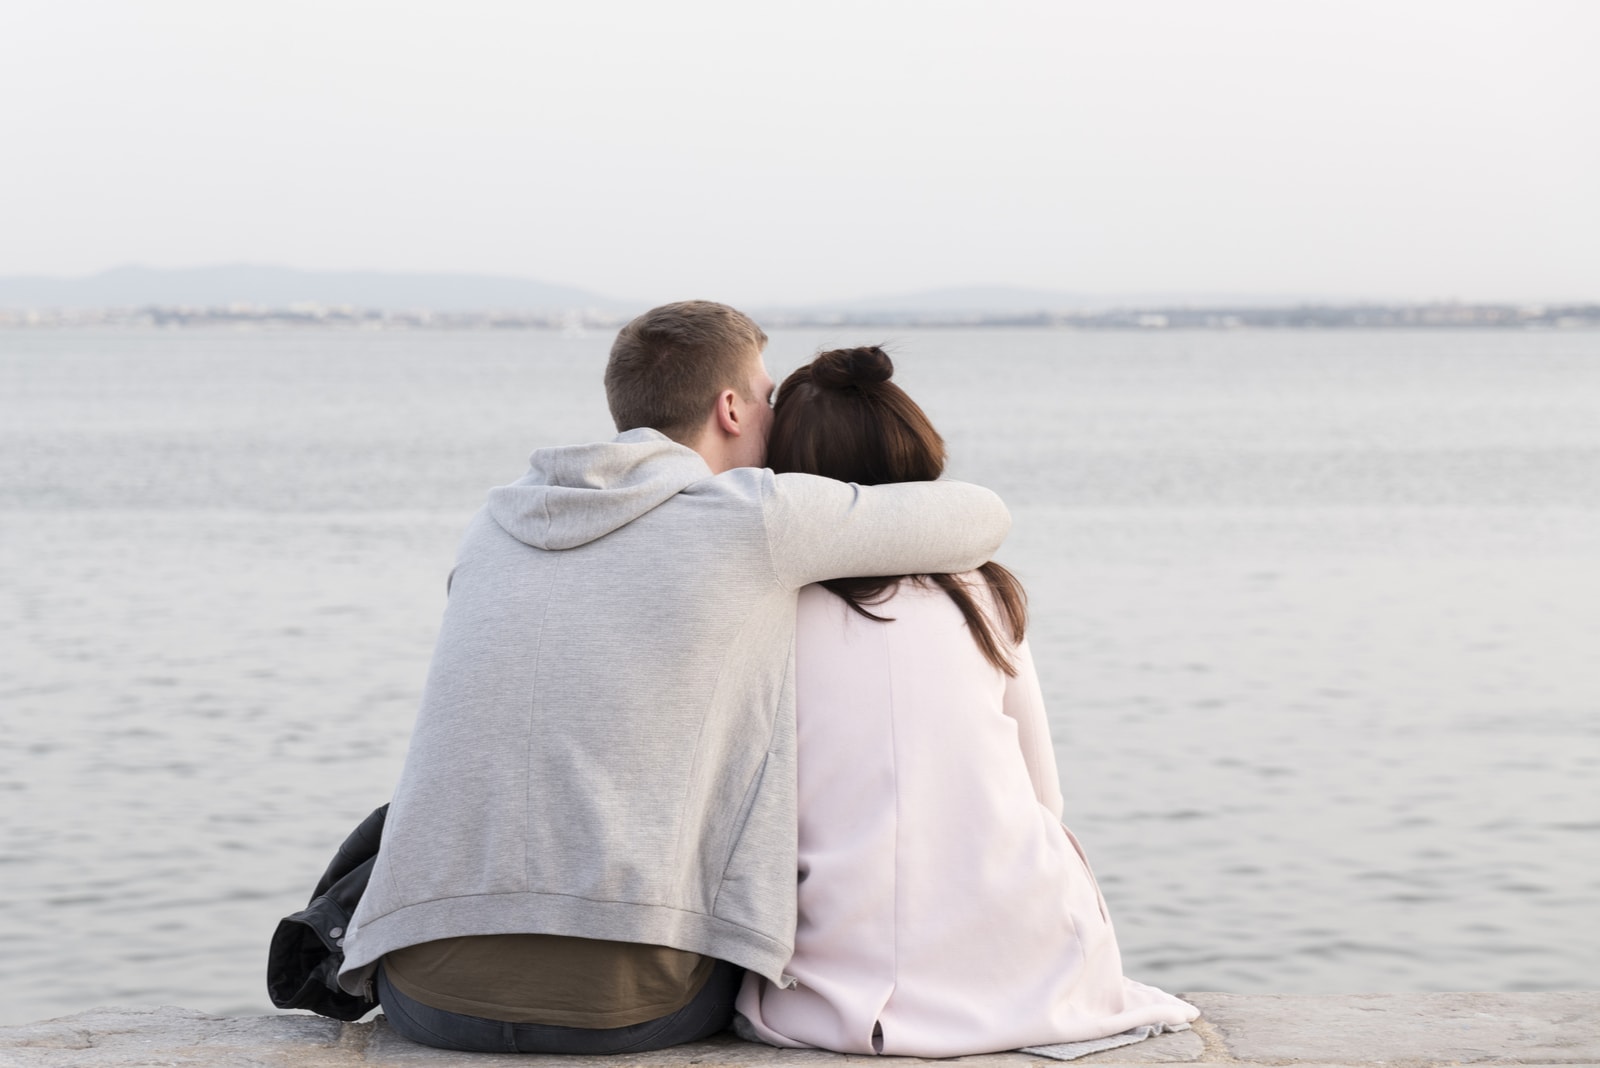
[[713, 449], [716, 459]]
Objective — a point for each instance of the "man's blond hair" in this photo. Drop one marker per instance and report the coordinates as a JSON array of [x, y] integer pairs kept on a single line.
[[668, 365]]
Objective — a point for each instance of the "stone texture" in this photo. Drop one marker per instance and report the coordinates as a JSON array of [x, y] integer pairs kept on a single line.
[[1183, 1047], [1350, 1031], [126, 1038], [1558, 1028], [114, 1038]]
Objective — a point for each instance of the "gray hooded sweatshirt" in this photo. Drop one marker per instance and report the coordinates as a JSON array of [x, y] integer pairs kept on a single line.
[[605, 746]]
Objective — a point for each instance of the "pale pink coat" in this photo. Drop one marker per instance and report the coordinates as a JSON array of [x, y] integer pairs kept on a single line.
[[943, 908]]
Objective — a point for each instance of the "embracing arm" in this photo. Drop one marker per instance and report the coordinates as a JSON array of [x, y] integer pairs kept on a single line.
[[821, 529]]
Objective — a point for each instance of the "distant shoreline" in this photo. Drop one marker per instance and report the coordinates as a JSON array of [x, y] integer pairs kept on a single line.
[[581, 320]]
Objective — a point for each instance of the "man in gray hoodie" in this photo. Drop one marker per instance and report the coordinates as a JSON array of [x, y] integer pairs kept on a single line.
[[595, 827]]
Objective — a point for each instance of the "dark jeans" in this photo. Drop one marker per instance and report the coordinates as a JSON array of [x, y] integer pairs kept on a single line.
[[710, 1011]]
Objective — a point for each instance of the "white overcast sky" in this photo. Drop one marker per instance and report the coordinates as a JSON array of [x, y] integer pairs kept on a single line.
[[790, 152]]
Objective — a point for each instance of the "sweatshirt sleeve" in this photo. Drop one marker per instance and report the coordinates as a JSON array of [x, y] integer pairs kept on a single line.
[[822, 529], [1025, 703]]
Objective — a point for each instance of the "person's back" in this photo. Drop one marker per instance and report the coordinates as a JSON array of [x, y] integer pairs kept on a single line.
[[601, 775], [943, 908], [555, 636]]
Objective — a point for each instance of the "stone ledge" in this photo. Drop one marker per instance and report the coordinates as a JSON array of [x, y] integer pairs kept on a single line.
[[1397, 1030]]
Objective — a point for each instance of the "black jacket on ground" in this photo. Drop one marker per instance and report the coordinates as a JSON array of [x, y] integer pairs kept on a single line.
[[307, 949]]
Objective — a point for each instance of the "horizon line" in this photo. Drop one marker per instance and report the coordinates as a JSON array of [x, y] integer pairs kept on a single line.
[[1154, 298]]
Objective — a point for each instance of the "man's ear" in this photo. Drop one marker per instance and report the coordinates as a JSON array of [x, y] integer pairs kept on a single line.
[[728, 413]]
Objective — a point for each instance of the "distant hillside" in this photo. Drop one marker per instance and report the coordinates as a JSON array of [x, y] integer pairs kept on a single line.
[[972, 300], [981, 302], [284, 287], [210, 291]]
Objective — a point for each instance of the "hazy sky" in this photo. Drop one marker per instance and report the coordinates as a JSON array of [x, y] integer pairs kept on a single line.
[[774, 152]]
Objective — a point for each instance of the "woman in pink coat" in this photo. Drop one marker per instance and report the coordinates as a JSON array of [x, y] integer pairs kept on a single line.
[[944, 908]]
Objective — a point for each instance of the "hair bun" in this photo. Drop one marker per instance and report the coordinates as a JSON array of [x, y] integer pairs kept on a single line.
[[846, 368]]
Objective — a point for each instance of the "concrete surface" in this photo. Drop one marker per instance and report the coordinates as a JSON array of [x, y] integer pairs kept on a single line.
[[1397, 1030]]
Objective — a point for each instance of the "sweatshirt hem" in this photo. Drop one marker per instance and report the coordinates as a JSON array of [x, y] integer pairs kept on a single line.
[[558, 914]]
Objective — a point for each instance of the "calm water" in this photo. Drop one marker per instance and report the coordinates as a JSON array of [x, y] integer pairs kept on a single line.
[[1317, 617]]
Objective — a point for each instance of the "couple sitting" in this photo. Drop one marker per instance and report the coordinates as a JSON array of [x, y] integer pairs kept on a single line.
[[665, 655]]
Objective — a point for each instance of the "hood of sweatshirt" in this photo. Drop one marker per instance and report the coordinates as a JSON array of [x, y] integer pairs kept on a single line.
[[576, 493]]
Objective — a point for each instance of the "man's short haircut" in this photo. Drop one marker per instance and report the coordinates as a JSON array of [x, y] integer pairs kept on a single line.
[[668, 365]]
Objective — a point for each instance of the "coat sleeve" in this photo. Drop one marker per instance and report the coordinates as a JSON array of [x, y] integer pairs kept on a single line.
[[1024, 702], [822, 529]]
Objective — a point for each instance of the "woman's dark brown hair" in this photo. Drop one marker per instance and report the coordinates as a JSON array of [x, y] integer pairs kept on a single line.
[[839, 416]]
